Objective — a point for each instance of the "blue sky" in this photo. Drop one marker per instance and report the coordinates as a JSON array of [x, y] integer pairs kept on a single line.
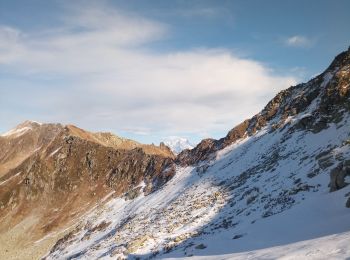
[[151, 69]]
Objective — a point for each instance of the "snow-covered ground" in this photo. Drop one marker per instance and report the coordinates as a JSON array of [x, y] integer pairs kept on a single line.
[[332, 247]]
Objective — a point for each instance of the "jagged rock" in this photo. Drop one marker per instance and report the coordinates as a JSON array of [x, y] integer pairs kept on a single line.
[[200, 153]]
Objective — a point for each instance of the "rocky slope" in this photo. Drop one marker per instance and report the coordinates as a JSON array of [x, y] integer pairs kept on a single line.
[[54, 174], [276, 179]]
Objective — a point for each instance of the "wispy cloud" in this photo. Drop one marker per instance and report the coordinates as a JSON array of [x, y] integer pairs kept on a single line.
[[100, 62], [298, 41]]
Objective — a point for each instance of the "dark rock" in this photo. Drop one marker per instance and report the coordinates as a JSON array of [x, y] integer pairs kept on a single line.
[[348, 203], [237, 236], [338, 175], [200, 246]]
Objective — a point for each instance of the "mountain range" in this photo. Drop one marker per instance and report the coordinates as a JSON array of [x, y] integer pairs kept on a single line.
[[276, 186]]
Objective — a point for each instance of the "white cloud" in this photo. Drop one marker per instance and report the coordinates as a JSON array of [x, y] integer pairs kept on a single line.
[[298, 41], [9, 47], [108, 78]]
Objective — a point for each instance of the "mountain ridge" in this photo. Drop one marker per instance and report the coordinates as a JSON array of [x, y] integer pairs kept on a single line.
[[270, 111]]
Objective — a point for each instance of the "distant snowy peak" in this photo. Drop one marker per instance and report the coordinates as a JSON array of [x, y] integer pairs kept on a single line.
[[177, 144]]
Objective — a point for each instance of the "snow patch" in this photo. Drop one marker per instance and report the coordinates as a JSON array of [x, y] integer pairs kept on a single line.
[[347, 179], [12, 177], [17, 131], [326, 79], [54, 152]]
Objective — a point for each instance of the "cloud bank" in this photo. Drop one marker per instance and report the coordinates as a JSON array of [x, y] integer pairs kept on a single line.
[[100, 70]]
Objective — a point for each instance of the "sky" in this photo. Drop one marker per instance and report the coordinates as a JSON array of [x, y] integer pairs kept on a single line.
[[147, 70]]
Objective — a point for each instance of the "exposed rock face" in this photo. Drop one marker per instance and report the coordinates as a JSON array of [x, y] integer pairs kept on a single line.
[[59, 172], [202, 152], [338, 175], [207, 147], [329, 93]]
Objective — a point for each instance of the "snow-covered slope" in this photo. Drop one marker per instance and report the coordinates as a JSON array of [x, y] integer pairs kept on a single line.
[[227, 205], [265, 195], [177, 144]]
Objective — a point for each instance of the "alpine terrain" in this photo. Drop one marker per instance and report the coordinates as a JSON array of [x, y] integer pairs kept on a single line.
[[275, 187]]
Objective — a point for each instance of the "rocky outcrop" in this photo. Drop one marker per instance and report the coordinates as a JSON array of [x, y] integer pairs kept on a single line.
[[338, 176], [200, 153], [207, 147]]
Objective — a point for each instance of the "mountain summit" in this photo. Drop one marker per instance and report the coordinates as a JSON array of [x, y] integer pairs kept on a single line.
[[277, 185]]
